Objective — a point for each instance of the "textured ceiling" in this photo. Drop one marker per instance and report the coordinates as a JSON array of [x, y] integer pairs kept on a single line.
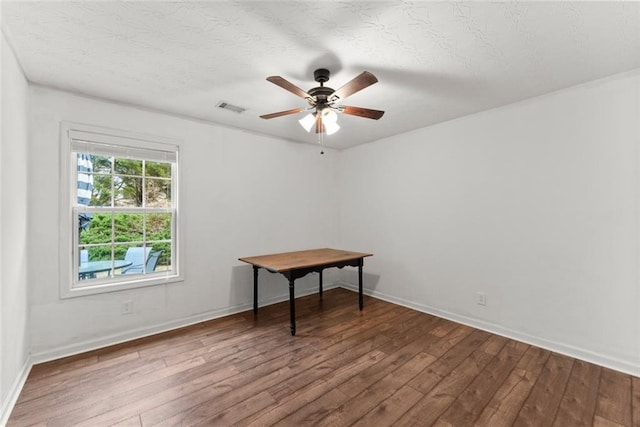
[[434, 61]]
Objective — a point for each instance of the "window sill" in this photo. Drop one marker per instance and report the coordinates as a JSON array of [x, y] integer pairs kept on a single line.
[[106, 287]]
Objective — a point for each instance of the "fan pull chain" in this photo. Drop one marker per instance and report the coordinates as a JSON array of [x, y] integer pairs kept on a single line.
[[321, 142]]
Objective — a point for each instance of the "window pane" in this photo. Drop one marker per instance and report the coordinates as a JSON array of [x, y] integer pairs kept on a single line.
[[100, 253], [84, 222], [128, 167], [159, 226], [128, 191], [120, 251], [84, 179], [163, 253], [84, 254], [157, 169], [158, 193], [101, 164], [133, 259], [101, 190], [95, 262], [84, 270], [97, 230], [129, 227]]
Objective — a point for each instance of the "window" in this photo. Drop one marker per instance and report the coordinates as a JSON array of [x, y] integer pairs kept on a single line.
[[122, 210]]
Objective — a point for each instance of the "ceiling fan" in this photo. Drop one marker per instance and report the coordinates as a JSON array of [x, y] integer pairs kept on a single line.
[[324, 101]]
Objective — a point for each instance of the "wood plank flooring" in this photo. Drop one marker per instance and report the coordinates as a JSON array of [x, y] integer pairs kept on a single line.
[[387, 365]]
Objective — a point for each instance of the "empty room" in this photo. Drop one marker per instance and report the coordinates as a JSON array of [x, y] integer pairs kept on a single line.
[[381, 213]]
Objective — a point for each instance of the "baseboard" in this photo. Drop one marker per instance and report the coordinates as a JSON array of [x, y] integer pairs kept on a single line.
[[105, 341], [14, 392], [568, 350]]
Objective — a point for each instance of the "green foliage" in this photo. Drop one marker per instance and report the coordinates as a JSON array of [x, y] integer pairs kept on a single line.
[[127, 228], [126, 177]]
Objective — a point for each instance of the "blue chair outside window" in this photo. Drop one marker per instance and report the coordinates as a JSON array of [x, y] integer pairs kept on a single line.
[[138, 257], [152, 261], [84, 256]]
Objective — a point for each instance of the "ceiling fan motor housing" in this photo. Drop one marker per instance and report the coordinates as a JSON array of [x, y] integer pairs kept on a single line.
[[320, 93], [321, 75]]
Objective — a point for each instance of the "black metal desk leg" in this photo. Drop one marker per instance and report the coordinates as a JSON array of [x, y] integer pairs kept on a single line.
[[320, 273], [292, 306], [360, 302], [255, 290]]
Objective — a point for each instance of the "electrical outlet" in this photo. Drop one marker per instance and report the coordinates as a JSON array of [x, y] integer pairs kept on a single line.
[[481, 298], [127, 307]]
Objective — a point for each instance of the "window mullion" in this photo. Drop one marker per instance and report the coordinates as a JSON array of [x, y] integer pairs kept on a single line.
[[144, 212]]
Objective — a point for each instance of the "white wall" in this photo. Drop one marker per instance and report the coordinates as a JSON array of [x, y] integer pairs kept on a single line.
[[242, 195], [534, 204], [14, 337]]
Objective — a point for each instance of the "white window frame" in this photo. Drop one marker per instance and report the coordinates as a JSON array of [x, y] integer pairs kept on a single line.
[[120, 144]]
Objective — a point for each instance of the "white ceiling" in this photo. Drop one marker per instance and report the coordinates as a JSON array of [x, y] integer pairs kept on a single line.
[[434, 61]]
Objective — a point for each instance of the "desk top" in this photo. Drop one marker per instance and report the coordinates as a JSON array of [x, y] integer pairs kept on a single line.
[[302, 259]]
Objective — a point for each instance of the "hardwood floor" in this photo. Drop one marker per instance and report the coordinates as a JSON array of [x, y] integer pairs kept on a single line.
[[387, 365]]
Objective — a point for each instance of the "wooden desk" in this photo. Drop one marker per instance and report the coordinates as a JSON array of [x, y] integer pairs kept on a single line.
[[294, 265]]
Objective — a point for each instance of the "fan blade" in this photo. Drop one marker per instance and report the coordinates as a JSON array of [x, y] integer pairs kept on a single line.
[[365, 79], [287, 85], [362, 112], [282, 113]]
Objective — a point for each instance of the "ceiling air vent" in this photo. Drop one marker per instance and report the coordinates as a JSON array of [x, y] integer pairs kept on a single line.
[[230, 107]]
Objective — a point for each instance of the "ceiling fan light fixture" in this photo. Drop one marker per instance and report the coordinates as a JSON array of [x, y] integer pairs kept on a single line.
[[307, 122], [330, 121], [329, 116], [331, 127]]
